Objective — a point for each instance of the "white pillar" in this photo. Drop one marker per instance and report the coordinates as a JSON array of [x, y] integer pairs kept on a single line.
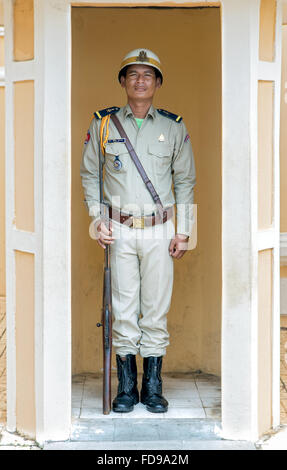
[[50, 242], [241, 239], [9, 213], [53, 369], [237, 312]]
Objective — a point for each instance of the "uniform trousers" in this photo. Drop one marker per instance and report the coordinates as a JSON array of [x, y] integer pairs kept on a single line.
[[142, 282]]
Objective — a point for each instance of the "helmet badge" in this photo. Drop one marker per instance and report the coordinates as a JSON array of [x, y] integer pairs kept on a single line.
[[142, 57]]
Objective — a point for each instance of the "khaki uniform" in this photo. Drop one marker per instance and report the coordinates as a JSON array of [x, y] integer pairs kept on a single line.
[[142, 268]]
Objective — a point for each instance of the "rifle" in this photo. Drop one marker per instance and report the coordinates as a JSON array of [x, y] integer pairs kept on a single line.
[[107, 303]]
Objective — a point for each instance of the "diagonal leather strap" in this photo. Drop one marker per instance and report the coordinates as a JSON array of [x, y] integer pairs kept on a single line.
[[139, 166]]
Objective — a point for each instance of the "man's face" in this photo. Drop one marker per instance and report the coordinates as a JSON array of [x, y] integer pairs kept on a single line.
[[140, 82]]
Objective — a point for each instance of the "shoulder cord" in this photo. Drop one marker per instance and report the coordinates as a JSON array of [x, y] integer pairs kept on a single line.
[[104, 127]]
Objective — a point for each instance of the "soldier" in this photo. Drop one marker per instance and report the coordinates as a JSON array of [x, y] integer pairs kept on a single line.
[[143, 245]]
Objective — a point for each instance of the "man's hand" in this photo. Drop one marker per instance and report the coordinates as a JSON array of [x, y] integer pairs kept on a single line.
[[178, 246], [104, 236]]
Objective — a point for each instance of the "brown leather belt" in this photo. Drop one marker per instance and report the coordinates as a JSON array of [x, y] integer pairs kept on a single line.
[[140, 221]]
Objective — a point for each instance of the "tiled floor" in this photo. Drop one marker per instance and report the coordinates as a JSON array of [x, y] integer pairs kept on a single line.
[[189, 396]]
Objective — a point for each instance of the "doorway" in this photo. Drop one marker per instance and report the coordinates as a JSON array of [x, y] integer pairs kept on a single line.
[[188, 42]]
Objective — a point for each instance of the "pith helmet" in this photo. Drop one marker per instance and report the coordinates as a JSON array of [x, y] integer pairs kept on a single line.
[[141, 56]]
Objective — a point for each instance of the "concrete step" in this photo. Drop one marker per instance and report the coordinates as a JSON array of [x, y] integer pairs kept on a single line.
[[174, 445], [151, 429]]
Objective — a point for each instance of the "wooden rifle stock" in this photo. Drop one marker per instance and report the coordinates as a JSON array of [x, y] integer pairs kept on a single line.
[[107, 304], [107, 333]]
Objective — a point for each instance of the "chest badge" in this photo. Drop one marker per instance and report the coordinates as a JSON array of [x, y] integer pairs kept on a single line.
[[117, 163], [161, 138]]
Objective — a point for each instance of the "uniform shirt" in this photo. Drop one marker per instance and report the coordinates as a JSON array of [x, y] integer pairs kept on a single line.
[[164, 149]]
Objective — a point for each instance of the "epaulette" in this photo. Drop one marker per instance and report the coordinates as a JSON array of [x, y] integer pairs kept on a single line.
[[105, 112], [169, 115]]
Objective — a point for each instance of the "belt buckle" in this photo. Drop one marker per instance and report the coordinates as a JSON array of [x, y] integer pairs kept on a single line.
[[138, 222]]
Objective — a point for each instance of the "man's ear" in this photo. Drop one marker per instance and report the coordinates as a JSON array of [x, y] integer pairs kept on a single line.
[[158, 82], [123, 81]]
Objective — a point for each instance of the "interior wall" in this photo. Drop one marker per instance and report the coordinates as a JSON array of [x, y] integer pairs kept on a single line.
[[189, 46]]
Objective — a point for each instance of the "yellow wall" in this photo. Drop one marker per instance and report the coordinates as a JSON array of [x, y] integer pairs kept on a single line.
[[265, 281], [267, 29], [265, 154], [24, 154], [1, 13], [2, 193], [1, 38], [2, 57], [23, 30], [190, 50], [24, 218], [24, 321]]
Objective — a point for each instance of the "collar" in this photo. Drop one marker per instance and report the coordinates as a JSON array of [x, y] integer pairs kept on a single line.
[[128, 112]]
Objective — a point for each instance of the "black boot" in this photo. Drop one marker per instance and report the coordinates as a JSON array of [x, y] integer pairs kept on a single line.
[[151, 392], [128, 394]]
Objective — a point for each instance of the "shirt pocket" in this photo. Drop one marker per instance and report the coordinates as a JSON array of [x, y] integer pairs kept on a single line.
[[162, 155], [116, 158]]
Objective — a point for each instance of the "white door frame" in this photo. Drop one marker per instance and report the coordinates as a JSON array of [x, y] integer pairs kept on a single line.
[[51, 242]]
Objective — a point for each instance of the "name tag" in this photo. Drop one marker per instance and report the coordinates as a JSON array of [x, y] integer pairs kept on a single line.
[[112, 141]]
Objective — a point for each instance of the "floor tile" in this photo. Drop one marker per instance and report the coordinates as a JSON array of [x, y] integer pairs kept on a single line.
[[209, 391], [180, 394], [207, 378], [97, 413], [76, 402], [92, 403], [211, 402], [76, 412], [78, 379], [141, 412], [177, 412], [184, 403], [213, 413]]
